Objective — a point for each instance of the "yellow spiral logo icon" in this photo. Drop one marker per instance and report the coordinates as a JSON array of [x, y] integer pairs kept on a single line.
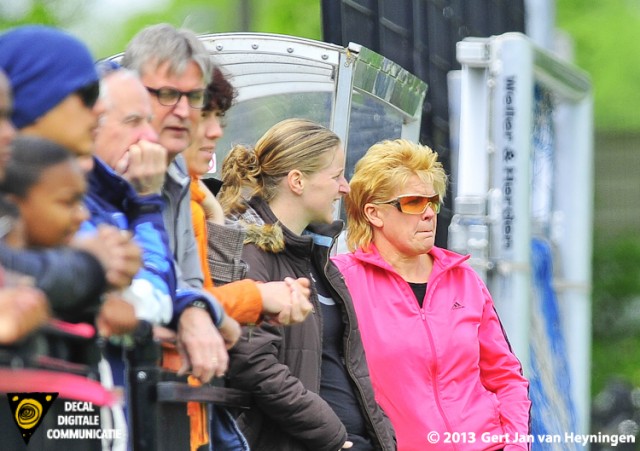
[[28, 413], [28, 410]]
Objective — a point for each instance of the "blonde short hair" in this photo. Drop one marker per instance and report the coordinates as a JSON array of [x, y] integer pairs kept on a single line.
[[378, 174]]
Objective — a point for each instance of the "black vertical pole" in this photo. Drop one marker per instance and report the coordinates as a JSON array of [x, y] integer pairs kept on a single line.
[[143, 374]]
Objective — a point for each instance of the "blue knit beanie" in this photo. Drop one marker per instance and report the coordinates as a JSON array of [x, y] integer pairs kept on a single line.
[[44, 66]]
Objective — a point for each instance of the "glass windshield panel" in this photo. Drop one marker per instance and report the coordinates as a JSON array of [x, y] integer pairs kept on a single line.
[[372, 120], [247, 121]]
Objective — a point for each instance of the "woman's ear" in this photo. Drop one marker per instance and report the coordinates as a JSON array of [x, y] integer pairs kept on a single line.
[[372, 213], [295, 180]]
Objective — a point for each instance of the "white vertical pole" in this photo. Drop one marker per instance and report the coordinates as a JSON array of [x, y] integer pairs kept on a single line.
[[502, 158], [512, 61], [454, 84], [468, 230], [473, 169], [340, 116], [540, 22], [574, 198]]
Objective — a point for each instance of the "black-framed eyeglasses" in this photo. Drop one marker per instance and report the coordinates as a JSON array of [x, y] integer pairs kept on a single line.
[[415, 204], [89, 94], [171, 96]]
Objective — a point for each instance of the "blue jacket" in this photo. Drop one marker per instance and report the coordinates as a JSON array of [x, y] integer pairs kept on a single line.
[[112, 200], [155, 292]]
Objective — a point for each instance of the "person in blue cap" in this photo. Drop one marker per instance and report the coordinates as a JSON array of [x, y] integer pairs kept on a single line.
[[17, 319], [55, 85]]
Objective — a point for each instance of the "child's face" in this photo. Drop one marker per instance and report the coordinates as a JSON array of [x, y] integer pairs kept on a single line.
[[53, 209]]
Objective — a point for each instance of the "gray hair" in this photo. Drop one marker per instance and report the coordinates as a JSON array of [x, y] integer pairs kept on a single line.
[[158, 44], [121, 73]]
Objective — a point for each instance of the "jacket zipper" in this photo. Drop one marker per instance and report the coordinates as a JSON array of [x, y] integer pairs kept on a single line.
[[434, 366], [317, 317]]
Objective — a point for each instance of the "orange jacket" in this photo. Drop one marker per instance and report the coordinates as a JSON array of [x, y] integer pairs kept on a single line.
[[241, 300]]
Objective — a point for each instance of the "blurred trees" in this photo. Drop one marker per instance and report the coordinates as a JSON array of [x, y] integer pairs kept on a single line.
[[606, 36], [107, 25]]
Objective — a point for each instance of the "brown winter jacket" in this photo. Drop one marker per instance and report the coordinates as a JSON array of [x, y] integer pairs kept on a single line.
[[281, 365]]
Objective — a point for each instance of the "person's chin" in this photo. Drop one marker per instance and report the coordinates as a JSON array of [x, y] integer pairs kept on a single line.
[[173, 139], [428, 245], [82, 147], [203, 167], [68, 237]]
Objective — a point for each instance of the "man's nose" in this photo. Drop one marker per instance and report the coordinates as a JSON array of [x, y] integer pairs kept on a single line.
[[148, 133], [181, 109]]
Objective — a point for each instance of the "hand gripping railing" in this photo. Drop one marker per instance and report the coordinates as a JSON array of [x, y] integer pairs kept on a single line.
[[157, 398]]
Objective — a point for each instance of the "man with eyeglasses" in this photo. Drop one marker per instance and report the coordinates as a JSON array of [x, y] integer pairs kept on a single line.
[[172, 65], [175, 66]]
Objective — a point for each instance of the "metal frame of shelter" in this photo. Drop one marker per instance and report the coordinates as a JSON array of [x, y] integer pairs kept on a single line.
[[494, 219], [360, 95]]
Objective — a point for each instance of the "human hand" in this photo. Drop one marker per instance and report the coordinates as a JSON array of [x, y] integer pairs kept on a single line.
[[116, 316], [164, 334], [286, 302], [212, 208], [144, 165], [230, 331], [22, 310], [202, 349], [115, 249], [347, 445], [300, 292]]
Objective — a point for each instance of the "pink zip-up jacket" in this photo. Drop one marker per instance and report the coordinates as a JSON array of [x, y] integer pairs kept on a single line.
[[445, 373]]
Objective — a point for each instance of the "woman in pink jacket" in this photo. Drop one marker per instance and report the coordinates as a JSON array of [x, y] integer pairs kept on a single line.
[[441, 365]]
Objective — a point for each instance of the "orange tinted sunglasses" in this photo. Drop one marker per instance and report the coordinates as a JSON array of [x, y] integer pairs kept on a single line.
[[415, 204]]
